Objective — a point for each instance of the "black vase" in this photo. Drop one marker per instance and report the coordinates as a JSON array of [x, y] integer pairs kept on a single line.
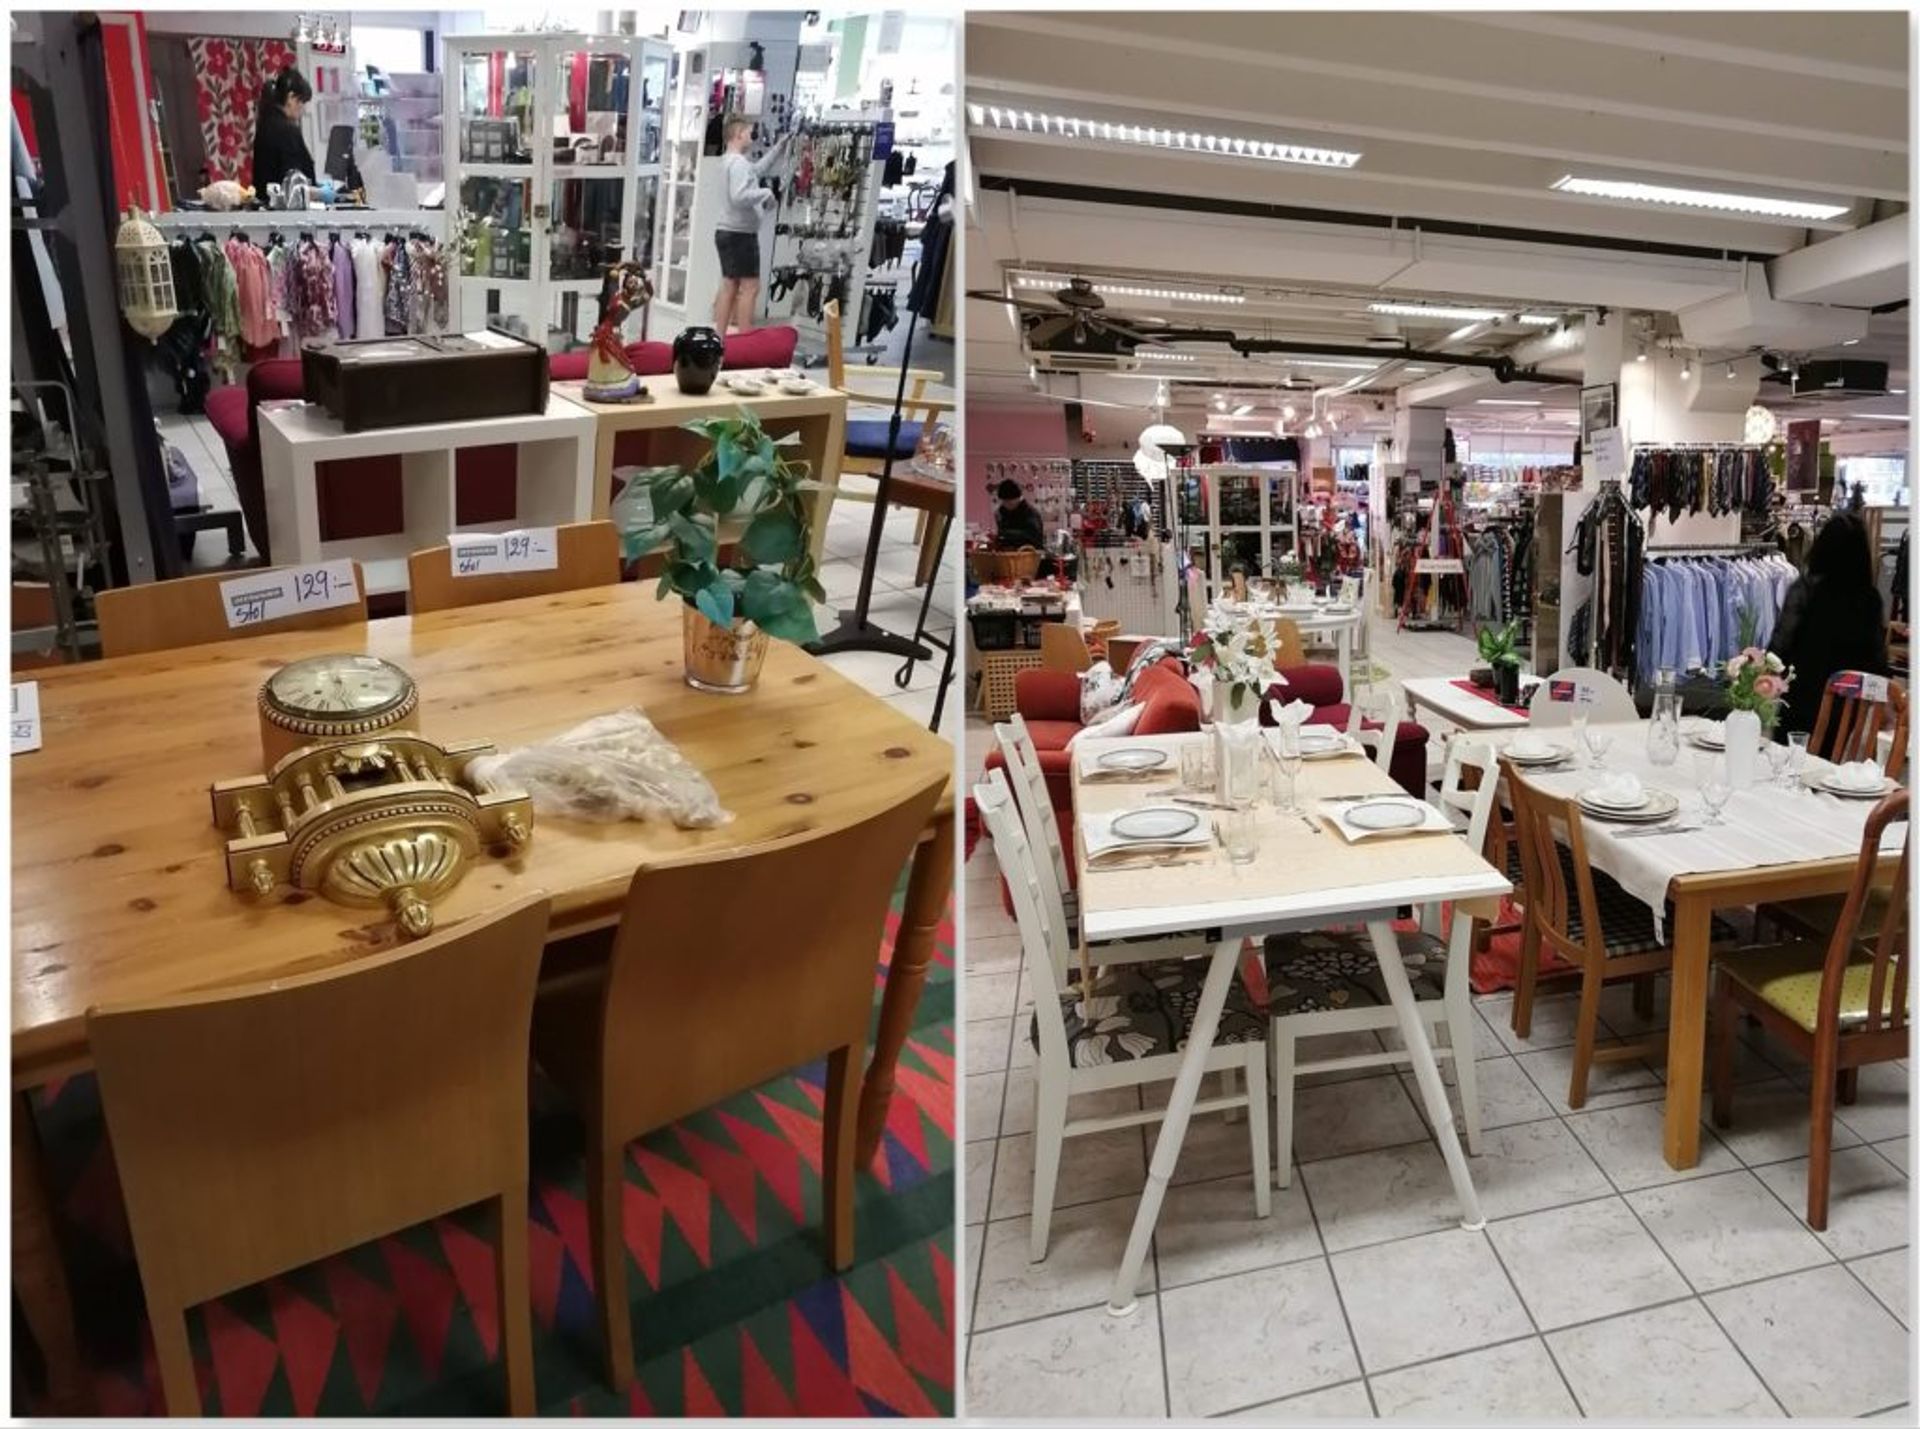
[[1506, 683], [697, 355]]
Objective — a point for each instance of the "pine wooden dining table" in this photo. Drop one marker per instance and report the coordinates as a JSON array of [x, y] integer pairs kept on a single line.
[[119, 879]]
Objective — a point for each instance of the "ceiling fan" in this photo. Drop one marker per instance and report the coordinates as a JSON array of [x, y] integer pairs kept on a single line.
[[1076, 316]]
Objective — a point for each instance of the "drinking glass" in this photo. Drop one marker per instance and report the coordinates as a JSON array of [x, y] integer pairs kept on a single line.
[[1287, 758], [1598, 743], [1716, 787], [1579, 729], [1238, 833], [1797, 756], [1779, 759], [1196, 767]]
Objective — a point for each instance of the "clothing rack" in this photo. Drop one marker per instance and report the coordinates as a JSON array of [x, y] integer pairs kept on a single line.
[[189, 221], [1714, 548]]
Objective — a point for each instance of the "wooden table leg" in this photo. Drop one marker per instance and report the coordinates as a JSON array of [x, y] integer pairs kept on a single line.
[[1687, 1028], [928, 888], [39, 1274]]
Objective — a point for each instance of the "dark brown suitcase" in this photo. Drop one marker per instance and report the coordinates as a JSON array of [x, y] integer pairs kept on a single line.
[[377, 382]]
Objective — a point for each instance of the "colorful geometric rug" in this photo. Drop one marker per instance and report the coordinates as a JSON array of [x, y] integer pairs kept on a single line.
[[734, 1312]]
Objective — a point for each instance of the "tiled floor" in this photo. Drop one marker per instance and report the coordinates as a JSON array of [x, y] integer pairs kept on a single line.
[[894, 606], [1606, 1284]]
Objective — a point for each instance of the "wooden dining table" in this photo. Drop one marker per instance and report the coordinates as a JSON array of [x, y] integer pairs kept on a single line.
[[1776, 844], [119, 875], [1304, 875]]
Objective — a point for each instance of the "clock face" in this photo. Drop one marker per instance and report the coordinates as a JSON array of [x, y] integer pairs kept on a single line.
[[339, 687]]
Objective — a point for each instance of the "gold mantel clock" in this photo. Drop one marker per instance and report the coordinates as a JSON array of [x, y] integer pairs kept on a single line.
[[355, 803]]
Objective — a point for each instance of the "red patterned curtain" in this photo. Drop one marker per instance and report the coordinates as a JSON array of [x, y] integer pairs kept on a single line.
[[231, 74]]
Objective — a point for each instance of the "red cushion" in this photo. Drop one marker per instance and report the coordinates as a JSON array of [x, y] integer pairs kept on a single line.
[[651, 359], [1172, 707], [227, 414], [1047, 695], [1316, 684], [1049, 735], [760, 347]]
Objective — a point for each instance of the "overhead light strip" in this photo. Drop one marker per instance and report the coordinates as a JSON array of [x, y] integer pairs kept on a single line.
[[1437, 313], [1228, 146], [1716, 199], [1123, 290], [1159, 355], [1505, 402]]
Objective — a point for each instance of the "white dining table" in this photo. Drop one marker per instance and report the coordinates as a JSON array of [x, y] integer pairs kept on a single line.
[[1773, 843], [1440, 695], [1337, 621], [1304, 876]]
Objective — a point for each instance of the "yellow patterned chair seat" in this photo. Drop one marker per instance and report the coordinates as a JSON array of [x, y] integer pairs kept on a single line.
[[1787, 977]]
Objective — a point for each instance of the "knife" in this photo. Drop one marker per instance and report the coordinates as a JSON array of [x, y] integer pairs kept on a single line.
[[1655, 833]]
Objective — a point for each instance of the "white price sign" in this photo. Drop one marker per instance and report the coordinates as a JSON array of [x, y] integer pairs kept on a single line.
[[498, 553], [26, 717], [274, 595], [1609, 452]]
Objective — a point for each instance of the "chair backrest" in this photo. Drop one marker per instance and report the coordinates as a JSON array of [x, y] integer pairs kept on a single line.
[[1854, 708], [1291, 646], [1063, 647], [169, 615], [259, 1128], [1045, 959], [733, 968], [1542, 824], [1581, 689], [588, 555], [1887, 984], [1028, 783], [1378, 740], [836, 343], [1475, 799]]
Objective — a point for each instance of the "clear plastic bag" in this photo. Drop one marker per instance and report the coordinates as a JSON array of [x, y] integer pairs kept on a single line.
[[615, 766]]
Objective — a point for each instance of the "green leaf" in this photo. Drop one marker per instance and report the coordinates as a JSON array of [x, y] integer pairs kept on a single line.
[[716, 603], [693, 537], [797, 625], [673, 491], [772, 538], [814, 589]]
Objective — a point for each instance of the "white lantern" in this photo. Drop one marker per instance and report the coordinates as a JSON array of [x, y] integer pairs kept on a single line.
[[1761, 425], [146, 277]]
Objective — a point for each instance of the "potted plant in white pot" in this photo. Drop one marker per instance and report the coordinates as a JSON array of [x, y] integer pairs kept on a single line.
[[769, 587]]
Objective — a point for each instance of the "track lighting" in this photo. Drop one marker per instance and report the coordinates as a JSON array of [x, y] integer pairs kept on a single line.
[[1067, 126], [1686, 368], [1729, 372]]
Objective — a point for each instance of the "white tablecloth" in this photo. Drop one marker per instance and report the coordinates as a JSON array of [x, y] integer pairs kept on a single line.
[[1764, 825]]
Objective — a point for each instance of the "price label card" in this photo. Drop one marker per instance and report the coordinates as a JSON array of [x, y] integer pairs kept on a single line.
[[1439, 566], [26, 717], [1572, 692], [488, 553], [274, 595]]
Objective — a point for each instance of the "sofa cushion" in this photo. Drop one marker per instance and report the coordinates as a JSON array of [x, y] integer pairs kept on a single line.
[[227, 414], [649, 359], [1316, 684], [759, 347], [868, 438], [1051, 734]]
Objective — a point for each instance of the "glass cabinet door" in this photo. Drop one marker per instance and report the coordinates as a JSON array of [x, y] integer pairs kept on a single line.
[[495, 108], [496, 260]]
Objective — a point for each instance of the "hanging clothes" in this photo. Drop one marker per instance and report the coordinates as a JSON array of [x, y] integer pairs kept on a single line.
[[1609, 545], [341, 257], [369, 289], [252, 282], [313, 316], [399, 299], [1693, 607]]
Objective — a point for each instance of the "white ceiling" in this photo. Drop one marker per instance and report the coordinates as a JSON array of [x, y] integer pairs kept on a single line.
[[1463, 123]]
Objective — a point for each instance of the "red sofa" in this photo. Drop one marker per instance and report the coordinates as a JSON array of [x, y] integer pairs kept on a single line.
[[1049, 701], [362, 497]]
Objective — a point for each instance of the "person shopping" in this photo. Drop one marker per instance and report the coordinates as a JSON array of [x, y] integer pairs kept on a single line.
[[1831, 620], [743, 203], [278, 146], [1015, 522]]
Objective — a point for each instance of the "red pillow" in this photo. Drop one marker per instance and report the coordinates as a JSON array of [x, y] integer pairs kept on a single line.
[[761, 347]]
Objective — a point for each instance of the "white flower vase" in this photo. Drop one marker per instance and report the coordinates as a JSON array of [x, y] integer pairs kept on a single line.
[[1743, 747]]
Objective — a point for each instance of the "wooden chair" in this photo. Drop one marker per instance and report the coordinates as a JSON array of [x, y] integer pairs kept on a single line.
[[1291, 645], [1137, 1037], [866, 442], [1063, 647], [1596, 693], [588, 556], [1584, 917], [725, 971], [260, 1128], [169, 615], [1841, 1003], [1854, 709], [1328, 981]]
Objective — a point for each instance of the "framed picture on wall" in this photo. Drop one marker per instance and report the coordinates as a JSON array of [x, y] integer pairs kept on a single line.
[[1599, 407]]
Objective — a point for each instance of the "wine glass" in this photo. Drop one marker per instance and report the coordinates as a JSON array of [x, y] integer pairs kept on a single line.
[[1598, 743], [1579, 728], [1287, 758], [1779, 759], [1716, 786]]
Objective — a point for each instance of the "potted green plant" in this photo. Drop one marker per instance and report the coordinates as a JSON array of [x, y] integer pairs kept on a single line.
[[1499, 648], [769, 588]]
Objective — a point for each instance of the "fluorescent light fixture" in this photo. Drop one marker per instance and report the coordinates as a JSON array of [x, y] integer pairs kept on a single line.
[[1877, 417], [1505, 402], [1153, 137], [1123, 290], [1536, 319], [1698, 198], [1337, 364], [1438, 314], [1851, 342], [1461, 334], [1160, 354], [1243, 409]]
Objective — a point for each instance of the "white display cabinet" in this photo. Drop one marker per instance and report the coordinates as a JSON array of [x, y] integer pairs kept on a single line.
[[552, 168], [1250, 516]]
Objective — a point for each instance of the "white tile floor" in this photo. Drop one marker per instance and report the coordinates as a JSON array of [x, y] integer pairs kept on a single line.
[[895, 604], [1606, 1285]]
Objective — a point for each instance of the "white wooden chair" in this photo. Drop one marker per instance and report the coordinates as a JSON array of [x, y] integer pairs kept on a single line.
[[1377, 742], [1029, 786], [1133, 1032], [1345, 960], [1596, 693]]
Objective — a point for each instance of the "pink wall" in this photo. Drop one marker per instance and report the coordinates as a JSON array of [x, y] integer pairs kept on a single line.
[[998, 431]]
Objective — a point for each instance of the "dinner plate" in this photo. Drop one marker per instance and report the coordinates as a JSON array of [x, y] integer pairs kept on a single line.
[[1552, 754], [1709, 736], [1600, 800], [1154, 824], [1386, 814], [1659, 805], [1132, 759], [1844, 792]]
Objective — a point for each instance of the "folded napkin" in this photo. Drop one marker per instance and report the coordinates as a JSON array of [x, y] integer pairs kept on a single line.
[[1860, 774], [1623, 789], [1290, 715], [1529, 745], [1097, 831]]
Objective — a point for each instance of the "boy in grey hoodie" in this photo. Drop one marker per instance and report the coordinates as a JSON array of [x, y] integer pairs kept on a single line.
[[737, 234]]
